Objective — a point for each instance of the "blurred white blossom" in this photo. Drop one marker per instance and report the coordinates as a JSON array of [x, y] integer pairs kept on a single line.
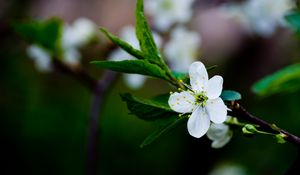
[[75, 36], [165, 13], [134, 81], [41, 58], [260, 16], [229, 169], [182, 49], [79, 33], [220, 134]]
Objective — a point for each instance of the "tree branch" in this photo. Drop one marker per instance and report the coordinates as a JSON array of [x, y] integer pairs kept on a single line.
[[101, 89], [78, 74], [240, 112]]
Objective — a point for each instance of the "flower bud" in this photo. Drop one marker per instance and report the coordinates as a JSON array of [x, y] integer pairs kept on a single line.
[[249, 129]]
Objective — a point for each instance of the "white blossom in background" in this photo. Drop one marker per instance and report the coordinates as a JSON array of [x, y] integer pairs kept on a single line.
[[165, 13], [134, 81], [202, 100], [79, 33], [75, 36], [229, 169], [220, 134], [41, 58], [182, 49], [260, 16], [266, 15]]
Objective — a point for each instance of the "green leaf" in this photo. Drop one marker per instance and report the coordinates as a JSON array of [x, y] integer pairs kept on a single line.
[[44, 33], [181, 75], [142, 67], [171, 124], [147, 109], [144, 34], [229, 95], [284, 80], [124, 45], [294, 20]]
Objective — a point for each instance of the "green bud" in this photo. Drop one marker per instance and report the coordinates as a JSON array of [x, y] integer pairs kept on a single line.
[[280, 138], [249, 129]]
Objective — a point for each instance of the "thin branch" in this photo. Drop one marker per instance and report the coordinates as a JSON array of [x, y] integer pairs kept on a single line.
[[78, 74], [240, 112], [101, 89]]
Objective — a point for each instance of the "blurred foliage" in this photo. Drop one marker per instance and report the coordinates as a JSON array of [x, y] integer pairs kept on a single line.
[[284, 80], [46, 34]]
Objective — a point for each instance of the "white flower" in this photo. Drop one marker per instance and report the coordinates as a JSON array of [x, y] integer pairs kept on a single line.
[[78, 34], [260, 16], [182, 48], [41, 58], [202, 100], [265, 15], [71, 56], [220, 134], [75, 36], [165, 13], [134, 81]]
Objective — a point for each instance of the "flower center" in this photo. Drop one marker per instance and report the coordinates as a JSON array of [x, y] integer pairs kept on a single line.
[[201, 99]]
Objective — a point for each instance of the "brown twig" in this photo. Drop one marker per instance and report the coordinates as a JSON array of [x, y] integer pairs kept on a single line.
[[240, 112], [101, 89]]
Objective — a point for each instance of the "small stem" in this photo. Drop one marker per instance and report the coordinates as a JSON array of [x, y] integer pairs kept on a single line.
[[240, 112]]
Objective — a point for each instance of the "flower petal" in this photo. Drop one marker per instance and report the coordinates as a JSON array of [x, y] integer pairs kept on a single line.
[[217, 131], [198, 76], [216, 110], [222, 142], [215, 86], [220, 134], [198, 123], [182, 102]]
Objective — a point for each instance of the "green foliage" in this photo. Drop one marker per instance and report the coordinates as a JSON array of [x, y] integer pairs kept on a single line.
[[181, 76], [284, 80], [142, 67], [124, 45], [44, 33], [144, 34], [157, 110], [229, 95], [294, 20], [147, 109], [172, 123], [280, 138], [150, 62]]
